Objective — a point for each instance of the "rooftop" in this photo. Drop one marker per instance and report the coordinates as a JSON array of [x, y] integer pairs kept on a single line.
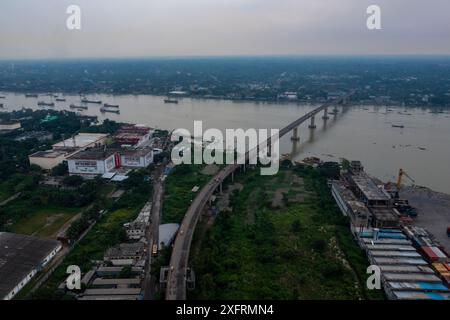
[[92, 154], [19, 255], [81, 140], [368, 187], [50, 154]]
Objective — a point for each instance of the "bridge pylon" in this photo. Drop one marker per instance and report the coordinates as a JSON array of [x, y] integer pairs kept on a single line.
[[295, 136], [325, 114], [312, 125]]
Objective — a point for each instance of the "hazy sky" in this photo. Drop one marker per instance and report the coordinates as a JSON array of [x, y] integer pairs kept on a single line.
[[139, 28]]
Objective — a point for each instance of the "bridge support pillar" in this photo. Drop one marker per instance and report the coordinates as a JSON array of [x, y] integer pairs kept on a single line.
[[335, 110], [325, 114], [221, 187], [313, 123], [295, 136], [232, 177]]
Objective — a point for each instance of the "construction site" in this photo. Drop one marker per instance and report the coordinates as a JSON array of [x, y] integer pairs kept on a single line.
[[406, 237]]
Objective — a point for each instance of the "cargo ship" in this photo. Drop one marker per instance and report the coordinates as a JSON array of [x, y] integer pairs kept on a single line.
[[31, 95], [60, 99], [72, 106], [102, 109], [1, 106], [2, 97], [91, 101], [48, 104], [168, 100], [106, 105]]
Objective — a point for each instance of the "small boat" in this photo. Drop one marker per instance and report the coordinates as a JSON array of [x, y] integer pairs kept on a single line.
[[168, 100], [1, 105], [111, 105], [60, 99], [91, 101], [72, 106], [31, 95], [102, 109], [48, 104], [398, 126]]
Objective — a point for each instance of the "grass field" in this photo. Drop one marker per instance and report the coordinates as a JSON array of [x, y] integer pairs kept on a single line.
[[45, 222]]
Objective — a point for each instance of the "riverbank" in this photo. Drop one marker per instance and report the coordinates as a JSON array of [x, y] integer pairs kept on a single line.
[[433, 210]]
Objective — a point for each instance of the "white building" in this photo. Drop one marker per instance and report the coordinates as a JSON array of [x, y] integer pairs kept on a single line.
[[9, 125], [136, 158], [90, 163], [63, 150]]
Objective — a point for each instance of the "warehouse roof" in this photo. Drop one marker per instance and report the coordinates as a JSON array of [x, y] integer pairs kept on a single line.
[[369, 188], [19, 255], [92, 154], [81, 140], [49, 154]]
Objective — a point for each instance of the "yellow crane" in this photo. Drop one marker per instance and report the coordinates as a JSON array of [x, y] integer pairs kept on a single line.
[[402, 173]]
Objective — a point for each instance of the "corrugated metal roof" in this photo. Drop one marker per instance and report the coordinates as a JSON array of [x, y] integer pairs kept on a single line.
[[414, 295], [408, 261], [420, 286], [414, 277]]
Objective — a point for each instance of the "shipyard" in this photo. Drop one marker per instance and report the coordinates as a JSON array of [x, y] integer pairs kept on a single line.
[[413, 264]]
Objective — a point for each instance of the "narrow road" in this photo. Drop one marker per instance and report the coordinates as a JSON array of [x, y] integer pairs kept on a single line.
[[153, 234]]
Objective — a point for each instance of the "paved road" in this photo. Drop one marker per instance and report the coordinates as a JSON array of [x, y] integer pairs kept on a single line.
[[176, 285], [153, 234]]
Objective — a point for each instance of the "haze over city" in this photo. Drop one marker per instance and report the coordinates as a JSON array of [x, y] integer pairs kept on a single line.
[[141, 28]]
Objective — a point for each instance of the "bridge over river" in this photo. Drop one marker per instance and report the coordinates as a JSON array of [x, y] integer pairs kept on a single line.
[[176, 282]]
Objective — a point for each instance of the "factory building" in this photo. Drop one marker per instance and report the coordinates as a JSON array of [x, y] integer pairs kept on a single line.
[[126, 254], [90, 163], [133, 136], [60, 151], [136, 158], [48, 159], [404, 254], [21, 257], [101, 161], [82, 141]]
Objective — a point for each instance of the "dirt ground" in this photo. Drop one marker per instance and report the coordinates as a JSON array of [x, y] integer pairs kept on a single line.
[[433, 210]]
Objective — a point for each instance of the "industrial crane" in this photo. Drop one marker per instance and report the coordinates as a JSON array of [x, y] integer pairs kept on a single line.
[[401, 174]]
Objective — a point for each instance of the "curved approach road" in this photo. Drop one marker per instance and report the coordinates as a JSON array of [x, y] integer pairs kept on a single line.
[[176, 284]]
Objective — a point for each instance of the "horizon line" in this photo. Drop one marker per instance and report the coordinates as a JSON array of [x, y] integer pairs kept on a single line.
[[237, 56]]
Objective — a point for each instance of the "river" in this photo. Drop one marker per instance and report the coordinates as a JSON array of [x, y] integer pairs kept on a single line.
[[360, 132]]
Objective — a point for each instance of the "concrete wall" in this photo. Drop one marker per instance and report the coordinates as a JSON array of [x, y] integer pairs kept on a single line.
[[91, 167]]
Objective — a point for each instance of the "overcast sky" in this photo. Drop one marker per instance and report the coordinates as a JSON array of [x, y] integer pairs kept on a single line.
[[141, 28]]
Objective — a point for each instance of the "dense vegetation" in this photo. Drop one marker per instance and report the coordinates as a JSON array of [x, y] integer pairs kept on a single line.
[[296, 247], [178, 191]]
